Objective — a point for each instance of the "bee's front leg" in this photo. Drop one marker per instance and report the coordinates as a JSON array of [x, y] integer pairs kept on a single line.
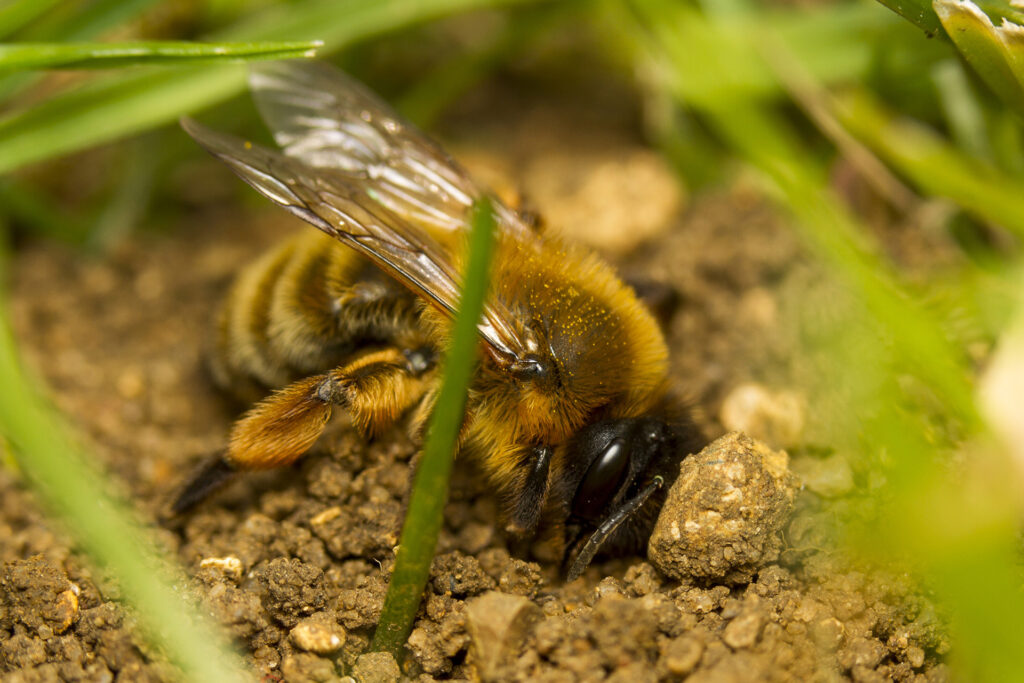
[[528, 504], [376, 389]]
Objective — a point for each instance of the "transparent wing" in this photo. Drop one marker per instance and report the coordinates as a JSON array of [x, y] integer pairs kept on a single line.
[[329, 120], [342, 207]]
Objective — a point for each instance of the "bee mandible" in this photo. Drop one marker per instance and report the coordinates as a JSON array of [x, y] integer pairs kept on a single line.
[[568, 414]]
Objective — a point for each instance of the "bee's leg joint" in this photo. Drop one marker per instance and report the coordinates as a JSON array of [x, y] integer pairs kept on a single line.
[[332, 390]]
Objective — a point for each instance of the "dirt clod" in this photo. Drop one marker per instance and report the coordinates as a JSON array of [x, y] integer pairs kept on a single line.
[[38, 595], [308, 668], [723, 516], [376, 667], [293, 589]]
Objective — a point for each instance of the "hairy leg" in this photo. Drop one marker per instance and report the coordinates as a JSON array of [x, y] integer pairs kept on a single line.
[[375, 389]]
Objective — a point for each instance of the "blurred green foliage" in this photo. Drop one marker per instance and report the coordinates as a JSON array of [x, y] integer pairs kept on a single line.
[[926, 102]]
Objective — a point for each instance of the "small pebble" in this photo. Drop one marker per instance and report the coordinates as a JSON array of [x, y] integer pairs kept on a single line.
[[683, 654], [612, 203], [498, 625], [830, 477], [66, 609], [230, 565], [776, 417], [318, 637], [828, 634], [862, 652], [131, 384], [744, 630]]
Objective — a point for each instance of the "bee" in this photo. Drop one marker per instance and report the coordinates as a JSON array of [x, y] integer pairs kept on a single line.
[[568, 413]]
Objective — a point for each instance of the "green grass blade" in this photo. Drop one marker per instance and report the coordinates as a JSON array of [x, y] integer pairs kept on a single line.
[[932, 163], [917, 12], [430, 490], [21, 56], [58, 470], [18, 13], [69, 26], [111, 108]]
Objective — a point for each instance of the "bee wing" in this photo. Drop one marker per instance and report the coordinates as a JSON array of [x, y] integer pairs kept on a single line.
[[329, 120], [342, 206]]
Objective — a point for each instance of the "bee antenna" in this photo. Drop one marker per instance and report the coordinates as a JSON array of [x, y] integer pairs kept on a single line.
[[608, 526]]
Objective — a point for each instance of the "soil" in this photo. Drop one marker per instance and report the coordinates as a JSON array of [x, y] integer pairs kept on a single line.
[[294, 563]]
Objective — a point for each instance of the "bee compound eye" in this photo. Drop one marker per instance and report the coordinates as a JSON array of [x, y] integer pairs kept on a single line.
[[603, 479]]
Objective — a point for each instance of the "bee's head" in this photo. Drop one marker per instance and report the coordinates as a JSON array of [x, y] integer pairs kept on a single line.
[[619, 476]]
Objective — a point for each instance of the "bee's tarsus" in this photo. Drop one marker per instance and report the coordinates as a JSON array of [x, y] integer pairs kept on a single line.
[[211, 476]]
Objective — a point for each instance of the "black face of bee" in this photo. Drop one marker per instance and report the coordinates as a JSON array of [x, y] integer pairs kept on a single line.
[[624, 469], [616, 452]]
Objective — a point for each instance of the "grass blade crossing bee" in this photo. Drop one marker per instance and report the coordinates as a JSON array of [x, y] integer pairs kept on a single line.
[[567, 412]]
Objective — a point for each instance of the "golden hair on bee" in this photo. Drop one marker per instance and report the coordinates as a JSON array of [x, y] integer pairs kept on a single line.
[[567, 412]]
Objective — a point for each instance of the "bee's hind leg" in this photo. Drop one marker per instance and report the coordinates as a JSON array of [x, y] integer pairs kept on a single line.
[[375, 388]]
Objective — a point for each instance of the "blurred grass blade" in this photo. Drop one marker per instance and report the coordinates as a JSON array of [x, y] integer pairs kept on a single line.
[[29, 206], [425, 101], [960, 531], [56, 467], [105, 110], [20, 56], [15, 14], [961, 109], [110, 108], [72, 22], [932, 163], [995, 53], [126, 208], [765, 141], [430, 489], [816, 103], [833, 43]]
